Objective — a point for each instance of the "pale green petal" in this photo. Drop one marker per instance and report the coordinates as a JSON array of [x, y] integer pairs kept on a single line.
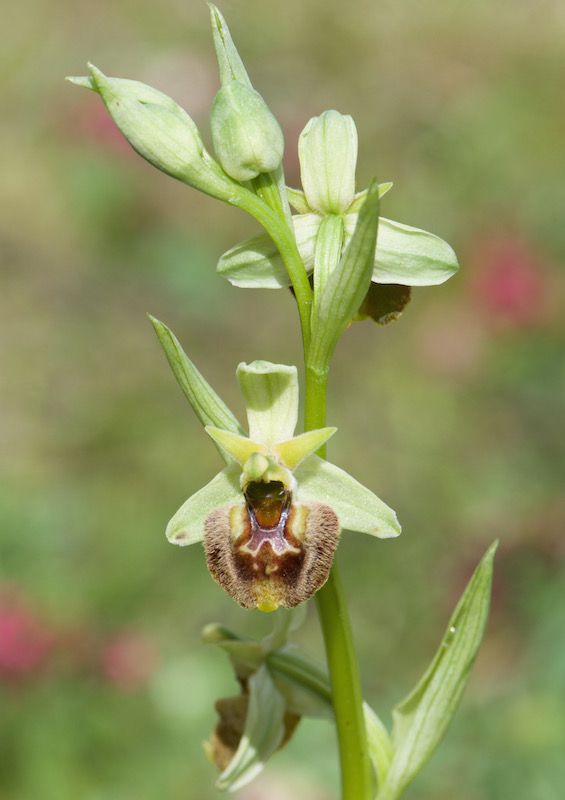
[[409, 256], [271, 398], [262, 735], [357, 508], [239, 447], [295, 450], [256, 263], [187, 525]]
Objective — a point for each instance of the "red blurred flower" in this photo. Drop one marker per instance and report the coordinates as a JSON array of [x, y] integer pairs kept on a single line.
[[25, 641], [511, 283], [128, 661]]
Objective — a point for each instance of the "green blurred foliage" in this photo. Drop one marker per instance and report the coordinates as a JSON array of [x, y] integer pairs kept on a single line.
[[459, 104]]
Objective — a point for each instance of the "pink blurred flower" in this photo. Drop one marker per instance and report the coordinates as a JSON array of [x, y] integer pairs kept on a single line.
[[127, 661], [511, 282], [25, 641]]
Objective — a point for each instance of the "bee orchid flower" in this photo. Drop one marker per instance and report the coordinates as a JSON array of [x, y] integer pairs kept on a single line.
[[270, 521]]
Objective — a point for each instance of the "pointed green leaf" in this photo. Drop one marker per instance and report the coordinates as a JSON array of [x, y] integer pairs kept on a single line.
[[208, 406], [420, 720], [357, 508], [378, 742], [262, 735], [409, 256], [246, 655], [187, 525], [348, 284], [256, 263], [229, 61], [328, 251], [271, 398]]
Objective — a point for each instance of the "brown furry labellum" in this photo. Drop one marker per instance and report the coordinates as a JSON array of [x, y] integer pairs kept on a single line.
[[270, 552]]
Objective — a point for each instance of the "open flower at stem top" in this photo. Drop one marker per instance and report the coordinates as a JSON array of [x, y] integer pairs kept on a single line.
[[270, 521], [328, 156]]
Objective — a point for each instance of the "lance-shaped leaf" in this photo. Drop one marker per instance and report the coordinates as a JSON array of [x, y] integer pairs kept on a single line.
[[208, 406], [161, 132], [262, 735], [421, 719], [345, 288]]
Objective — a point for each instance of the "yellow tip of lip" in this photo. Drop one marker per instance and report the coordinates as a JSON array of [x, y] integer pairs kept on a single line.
[[267, 606]]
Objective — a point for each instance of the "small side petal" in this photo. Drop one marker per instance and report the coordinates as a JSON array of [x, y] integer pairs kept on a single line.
[[239, 447], [187, 525], [295, 450], [356, 506]]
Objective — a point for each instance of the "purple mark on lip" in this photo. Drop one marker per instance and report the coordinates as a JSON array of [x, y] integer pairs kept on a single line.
[[274, 536]]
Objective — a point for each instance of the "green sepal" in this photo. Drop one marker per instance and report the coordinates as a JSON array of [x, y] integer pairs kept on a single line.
[[207, 405], [357, 508], [262, 735], [187, 525], [408, 255], [256, 264], [271, 399], [346, 287], [421, 719]]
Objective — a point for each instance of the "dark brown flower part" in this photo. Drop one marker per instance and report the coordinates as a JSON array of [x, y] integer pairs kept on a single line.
[[271, 552], [384, 302], [225, 739]]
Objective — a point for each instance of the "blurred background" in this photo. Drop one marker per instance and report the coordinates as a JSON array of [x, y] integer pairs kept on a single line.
[[454, 414]]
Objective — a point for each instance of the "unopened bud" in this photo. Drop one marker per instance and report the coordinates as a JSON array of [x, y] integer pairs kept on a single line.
[[247, 137]]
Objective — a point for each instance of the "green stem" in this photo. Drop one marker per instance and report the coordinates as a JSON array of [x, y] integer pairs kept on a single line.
[[281, 234], [356, 777]]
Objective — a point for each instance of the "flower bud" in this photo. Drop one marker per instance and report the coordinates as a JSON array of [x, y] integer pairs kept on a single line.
[[161, 132], [247, 137], [327, 149]]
